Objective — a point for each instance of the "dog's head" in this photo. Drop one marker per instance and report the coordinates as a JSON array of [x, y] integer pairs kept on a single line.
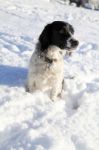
[[60, 34]]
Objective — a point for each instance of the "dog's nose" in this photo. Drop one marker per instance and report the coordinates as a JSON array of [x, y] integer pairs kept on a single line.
[[75, 43]]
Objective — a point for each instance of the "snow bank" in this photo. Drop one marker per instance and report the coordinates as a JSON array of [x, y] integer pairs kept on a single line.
[[33, 121]]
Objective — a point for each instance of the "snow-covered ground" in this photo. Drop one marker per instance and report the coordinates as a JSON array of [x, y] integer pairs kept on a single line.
[[33, 121]]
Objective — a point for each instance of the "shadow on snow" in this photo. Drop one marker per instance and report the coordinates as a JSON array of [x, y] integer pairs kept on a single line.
[[12, 76]]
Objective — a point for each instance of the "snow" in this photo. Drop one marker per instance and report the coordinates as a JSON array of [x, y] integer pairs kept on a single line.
[[33, 121]]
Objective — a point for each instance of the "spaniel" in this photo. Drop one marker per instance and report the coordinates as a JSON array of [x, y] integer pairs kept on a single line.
[[46, 68]]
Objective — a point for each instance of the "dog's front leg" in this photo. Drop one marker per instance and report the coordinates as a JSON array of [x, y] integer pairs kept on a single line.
[[56, 90]]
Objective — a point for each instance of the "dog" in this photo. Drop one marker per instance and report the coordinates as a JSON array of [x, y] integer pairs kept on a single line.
[[78, 2], [46, 68]]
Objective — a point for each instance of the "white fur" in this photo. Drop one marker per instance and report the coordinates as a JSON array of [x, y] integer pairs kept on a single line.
[[45, 76]]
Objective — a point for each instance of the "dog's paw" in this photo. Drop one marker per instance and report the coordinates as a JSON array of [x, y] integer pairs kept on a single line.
[[53, 98], [56, 98]]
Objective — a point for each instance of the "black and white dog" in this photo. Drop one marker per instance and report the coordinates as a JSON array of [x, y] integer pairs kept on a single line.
[[78, 2], [46, 69]]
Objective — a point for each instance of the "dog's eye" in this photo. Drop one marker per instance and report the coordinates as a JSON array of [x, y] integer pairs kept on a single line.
[[62, 31]]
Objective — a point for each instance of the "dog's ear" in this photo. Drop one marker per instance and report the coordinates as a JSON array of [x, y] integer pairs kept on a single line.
[[45, 37]]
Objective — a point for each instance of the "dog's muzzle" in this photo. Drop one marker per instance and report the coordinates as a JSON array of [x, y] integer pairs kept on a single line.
[[72, 43]]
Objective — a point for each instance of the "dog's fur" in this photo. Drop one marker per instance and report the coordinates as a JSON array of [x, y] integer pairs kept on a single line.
[[79, 2], [46, 69]]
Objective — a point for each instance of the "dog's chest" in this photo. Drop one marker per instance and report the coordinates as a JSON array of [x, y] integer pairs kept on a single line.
[[43, 67]]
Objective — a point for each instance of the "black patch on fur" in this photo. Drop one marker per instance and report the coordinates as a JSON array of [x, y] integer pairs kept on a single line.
[[48, 60], [78, 2], [57, 33]]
